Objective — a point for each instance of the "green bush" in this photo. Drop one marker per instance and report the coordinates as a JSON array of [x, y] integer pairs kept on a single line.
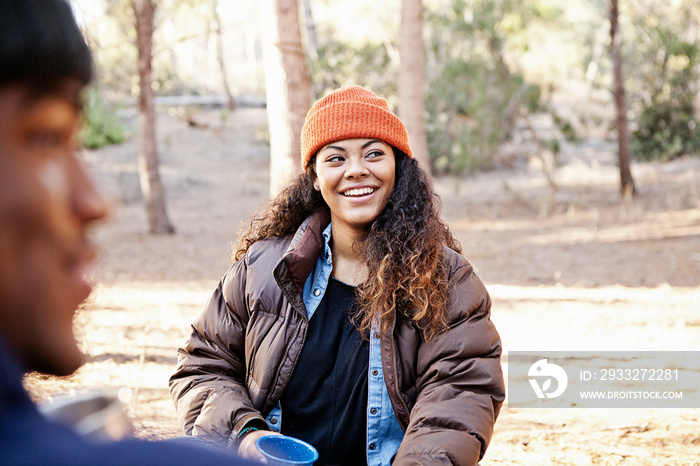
[[666, 130], [473, 97], [666, 123], [667, 127], [565, 127], [101, 126], [467, 116]]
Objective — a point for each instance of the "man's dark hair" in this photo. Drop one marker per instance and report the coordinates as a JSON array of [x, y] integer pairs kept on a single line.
[[41, 44]]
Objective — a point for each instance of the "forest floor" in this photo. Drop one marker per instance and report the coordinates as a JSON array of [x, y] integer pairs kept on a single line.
[[577, 270]]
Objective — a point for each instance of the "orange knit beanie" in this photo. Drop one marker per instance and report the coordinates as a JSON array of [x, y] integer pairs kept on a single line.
[[347, 113]]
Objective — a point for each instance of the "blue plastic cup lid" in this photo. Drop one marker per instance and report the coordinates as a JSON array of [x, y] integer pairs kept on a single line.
[[283, 450]]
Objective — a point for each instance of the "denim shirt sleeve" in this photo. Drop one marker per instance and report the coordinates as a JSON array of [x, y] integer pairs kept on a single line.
[[384, 433]]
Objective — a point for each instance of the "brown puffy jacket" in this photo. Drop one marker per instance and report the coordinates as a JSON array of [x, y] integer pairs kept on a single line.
[[243, 348]]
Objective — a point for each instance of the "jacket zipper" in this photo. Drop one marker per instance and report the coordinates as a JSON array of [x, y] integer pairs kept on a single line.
[[268, 401], [396, 372]]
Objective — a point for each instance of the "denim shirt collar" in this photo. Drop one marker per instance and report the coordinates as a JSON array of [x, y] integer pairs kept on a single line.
[[315, 285], [327, 255]]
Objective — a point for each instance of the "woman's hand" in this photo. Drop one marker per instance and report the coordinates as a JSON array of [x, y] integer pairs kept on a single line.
[[247, 447]]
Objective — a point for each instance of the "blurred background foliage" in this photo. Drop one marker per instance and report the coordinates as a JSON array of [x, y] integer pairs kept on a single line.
[[665, 60], [488, 63], [102, 126], [474, 95]]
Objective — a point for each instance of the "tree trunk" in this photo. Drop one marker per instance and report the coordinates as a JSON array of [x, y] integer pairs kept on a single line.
[[151, 186], [411, 82], [288, 88], [220, 55], [311, 34], [626, 182]]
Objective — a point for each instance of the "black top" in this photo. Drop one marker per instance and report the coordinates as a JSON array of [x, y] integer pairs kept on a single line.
[[325, 402]]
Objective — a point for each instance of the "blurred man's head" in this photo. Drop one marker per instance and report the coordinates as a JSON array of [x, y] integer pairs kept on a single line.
[[47, 200], [41, 44]]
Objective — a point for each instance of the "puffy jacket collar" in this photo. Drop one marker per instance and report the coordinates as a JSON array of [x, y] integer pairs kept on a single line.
[[306, 246]]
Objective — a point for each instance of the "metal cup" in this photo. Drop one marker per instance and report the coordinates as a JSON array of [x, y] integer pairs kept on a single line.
[[281, 450], [95, 416]]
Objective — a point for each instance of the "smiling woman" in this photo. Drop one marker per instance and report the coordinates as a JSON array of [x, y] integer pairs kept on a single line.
[[349, 319]]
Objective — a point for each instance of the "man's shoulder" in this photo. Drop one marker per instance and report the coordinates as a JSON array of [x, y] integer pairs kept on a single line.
[[37, 441]]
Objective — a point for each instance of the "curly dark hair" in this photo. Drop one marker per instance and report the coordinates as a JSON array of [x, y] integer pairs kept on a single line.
[[403, 249]]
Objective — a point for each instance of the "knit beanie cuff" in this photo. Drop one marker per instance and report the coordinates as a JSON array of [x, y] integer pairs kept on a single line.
[[348, 113]]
